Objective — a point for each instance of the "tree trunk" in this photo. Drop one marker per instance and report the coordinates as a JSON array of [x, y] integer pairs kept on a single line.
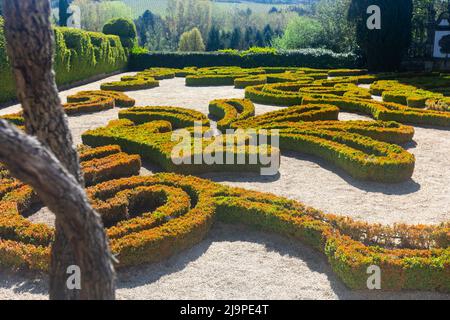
[[31, 162], [30, 47]]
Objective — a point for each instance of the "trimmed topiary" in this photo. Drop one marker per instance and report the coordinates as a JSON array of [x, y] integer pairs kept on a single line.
[[231, 110], [130, 84], [125, 29]]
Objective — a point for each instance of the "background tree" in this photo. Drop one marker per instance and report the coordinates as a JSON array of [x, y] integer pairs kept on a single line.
[[249, 38], [63, 15], [301, 32], [214, 42], [259, 39], [340, 33], [80, 238], [153, 32], [268, 34], [184, 15], [383, 48], [236, 39], [225, 39], [191, 41], [143, 24], [125, 29], [94, 14]]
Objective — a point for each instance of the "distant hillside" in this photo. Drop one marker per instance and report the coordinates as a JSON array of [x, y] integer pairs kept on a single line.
[[159, 6]]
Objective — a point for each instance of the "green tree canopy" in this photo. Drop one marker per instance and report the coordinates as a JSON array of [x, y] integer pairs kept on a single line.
[[340, 33], [125, 29], [191, 41], [301, 32], [236, 39], [213, 43], [383, 48]]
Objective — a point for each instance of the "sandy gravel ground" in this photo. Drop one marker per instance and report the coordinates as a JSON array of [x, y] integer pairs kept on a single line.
[[236, 263]]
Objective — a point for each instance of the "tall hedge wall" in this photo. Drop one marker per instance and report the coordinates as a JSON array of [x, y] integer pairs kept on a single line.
[[7, 91], [314, 58], [78, 55]]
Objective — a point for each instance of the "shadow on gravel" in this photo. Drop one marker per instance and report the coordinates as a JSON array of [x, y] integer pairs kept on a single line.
[[23, 283]]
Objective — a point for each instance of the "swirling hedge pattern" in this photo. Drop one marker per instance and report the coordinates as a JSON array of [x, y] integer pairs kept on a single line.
[[151, 218], [150, 131], [85, 102], [366, 150], [403, 93], [143, 80]]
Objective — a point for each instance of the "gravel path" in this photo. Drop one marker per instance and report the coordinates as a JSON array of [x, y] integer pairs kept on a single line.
[[236, 263]]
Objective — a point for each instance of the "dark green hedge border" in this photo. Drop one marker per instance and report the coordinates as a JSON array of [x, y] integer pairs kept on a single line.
[[314, 58]]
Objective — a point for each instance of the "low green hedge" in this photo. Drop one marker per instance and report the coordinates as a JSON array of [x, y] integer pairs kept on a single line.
[[154, 143], [178, 117], [205, 80], [159, 73], [231, 110], [84, 102], [253, 80], [314, 58], [79, 55], [130, 84], [386, 111]]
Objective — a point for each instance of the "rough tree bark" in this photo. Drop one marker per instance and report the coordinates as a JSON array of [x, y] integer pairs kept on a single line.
[[28, 160], [30, 47]]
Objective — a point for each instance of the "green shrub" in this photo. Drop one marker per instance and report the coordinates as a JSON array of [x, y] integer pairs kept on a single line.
[[386, 111], [211, 80], [125, 29], [130, 84], [230, 110], [191, 41], [253, 80]]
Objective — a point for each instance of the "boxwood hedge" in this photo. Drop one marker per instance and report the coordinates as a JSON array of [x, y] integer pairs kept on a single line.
[[79, 55]]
